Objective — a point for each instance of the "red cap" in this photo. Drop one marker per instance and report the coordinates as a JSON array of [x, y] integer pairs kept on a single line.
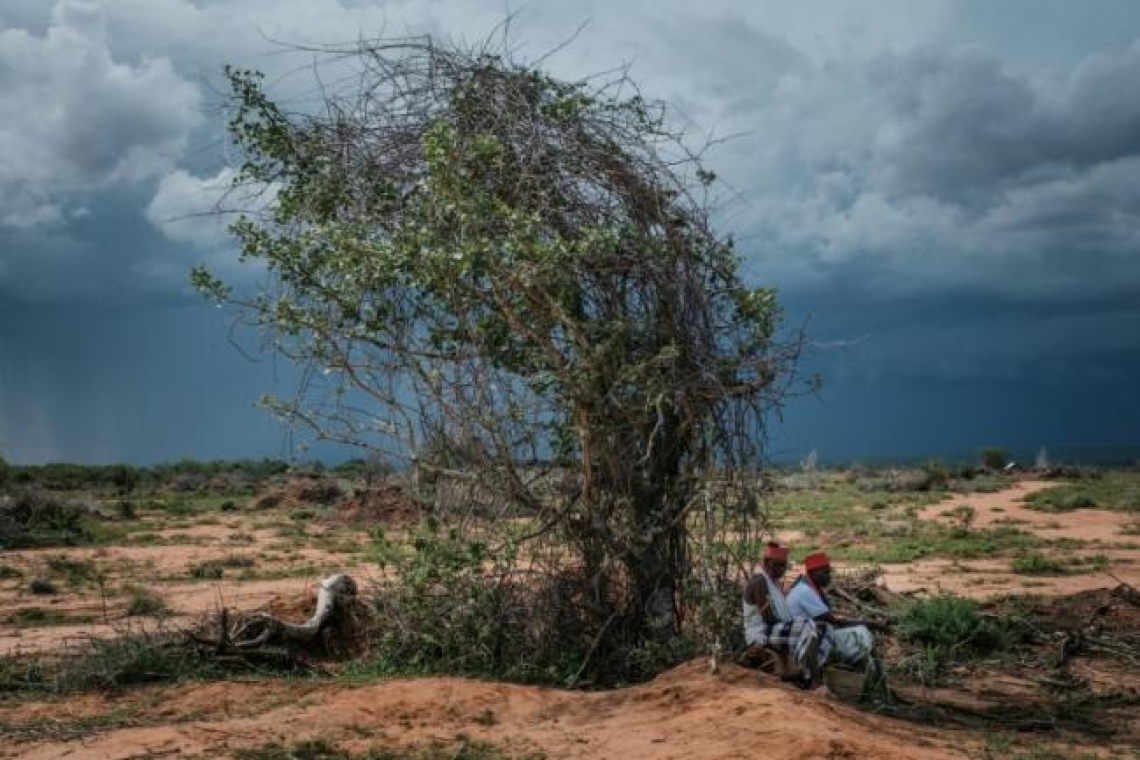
[[775, 551], [816, 561]]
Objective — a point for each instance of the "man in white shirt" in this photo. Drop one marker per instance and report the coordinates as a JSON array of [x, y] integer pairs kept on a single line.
[[808, 598], [769, 621]]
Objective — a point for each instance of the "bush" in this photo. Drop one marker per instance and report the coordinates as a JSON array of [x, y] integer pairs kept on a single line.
[[31, 518], [453, 608], [952, 627], [993, 458]]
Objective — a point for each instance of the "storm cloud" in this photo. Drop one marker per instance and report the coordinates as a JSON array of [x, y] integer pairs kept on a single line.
[[947, 194]]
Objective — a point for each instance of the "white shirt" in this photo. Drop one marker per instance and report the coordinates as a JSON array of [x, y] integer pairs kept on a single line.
[[754, 626], [805, 601]]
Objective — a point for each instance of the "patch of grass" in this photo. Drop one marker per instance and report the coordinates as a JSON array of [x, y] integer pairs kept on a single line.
[[144, 602], [76, 573], [137, 657], [1116, 490], [209, 570], [1095, 563], [38, 616], [934, 540], [212, 569], [8, 572], [1035, 563], [463, 748]]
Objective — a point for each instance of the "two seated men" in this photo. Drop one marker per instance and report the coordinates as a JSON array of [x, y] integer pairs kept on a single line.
[[801, 624]]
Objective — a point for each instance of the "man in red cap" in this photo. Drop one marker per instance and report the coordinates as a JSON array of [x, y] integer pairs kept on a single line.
[[770, 622], [808, 598]]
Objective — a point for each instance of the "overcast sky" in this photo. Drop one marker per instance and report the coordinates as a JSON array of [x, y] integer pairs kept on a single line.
[[947, 194]]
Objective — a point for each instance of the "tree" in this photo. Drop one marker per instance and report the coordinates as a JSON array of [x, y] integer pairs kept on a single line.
[[993, 458], [510, 275]]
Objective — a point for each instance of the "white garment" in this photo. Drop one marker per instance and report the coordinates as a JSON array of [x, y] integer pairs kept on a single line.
[[779, 603], [805, 601], [852, 643], [755, 629]]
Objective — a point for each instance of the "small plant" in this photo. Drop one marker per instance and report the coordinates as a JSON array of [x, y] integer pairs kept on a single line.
[[7, 572], [962, 520], [210, 570], [145, 602], [1035, 563]]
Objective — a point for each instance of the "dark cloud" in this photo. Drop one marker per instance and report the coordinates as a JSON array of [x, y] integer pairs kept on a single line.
[[952, 203]]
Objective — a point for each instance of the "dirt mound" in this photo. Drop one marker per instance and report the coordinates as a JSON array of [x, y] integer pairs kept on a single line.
[[385, 504], [299, 491], [686, 712]]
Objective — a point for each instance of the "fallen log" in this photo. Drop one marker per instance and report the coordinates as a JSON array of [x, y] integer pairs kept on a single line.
[[337, 591]]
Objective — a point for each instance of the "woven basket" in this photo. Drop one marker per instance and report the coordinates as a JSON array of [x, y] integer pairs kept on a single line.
[[845, 684]]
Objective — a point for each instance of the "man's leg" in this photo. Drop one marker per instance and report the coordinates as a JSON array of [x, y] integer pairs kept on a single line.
[[853, 644]]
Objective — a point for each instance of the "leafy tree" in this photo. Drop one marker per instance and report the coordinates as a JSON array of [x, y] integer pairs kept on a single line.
[[513, 278]]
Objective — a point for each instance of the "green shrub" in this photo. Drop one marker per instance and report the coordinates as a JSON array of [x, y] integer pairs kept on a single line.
[[951, 627], [451, 607], [1035, 563], [31, 518]]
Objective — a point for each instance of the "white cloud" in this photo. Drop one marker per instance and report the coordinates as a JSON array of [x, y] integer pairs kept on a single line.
[[189, 209], [73, 119]]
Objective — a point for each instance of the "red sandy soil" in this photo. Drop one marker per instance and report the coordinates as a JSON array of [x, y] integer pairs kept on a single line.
[[685, 713], [1103, 532]]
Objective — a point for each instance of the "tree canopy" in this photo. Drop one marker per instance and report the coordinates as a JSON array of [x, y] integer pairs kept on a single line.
[[499, 272]]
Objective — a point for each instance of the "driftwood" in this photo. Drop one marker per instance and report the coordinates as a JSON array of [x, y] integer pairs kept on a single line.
[[253, 635], [262, 629]]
